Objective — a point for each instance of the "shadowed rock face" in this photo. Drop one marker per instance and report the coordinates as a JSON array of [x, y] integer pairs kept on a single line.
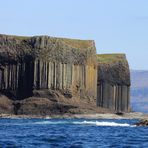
[[42, 62], [113, 87]]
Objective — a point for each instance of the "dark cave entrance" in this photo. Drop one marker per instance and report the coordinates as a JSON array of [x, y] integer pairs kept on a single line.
[[25, 78]]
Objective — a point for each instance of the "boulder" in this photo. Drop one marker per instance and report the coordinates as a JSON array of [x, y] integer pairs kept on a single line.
[[6, 105], [142, 123]]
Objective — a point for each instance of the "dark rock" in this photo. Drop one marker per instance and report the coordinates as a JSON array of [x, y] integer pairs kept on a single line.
[[120, 113], [113, 85], [17, 106], [41, 106], [142, 123]]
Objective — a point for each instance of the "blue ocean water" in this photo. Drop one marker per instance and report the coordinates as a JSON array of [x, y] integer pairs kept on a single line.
[[72, 133]]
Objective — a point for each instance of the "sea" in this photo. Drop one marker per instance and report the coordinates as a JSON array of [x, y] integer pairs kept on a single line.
[[72, 133]]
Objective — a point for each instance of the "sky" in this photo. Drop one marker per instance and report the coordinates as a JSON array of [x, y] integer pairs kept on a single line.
[[117, 26]]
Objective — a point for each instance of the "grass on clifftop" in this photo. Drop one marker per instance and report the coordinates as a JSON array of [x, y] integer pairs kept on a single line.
[[106, 58], [19, 37], [76, 43]]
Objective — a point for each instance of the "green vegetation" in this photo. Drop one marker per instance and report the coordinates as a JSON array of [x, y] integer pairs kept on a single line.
[[17, 37], [20, 37], [106, 58], [77, 43]]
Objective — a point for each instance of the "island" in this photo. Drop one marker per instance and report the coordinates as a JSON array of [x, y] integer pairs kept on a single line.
[[46, 76]]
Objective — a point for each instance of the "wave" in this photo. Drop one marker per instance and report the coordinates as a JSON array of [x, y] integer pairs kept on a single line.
[[51, 122], [103, 123], [96, 123]]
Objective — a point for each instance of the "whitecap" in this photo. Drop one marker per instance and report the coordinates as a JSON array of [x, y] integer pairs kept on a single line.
[[96, 123]]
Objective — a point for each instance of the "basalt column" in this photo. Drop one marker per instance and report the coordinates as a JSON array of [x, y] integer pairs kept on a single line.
[[25, 79], [47, 63], [16, 80], [113, 86]]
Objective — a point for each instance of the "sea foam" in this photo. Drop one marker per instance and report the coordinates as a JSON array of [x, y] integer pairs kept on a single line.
[[102, 123], [96, 123]]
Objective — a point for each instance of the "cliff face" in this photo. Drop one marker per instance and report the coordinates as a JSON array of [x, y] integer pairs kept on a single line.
[[113, 85], [42, 62], [59, 75]]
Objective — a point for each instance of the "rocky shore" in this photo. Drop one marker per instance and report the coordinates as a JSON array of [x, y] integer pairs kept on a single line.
[[135, 115], [51, 104]]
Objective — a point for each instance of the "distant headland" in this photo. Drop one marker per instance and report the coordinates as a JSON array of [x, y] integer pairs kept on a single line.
[[44, 75]]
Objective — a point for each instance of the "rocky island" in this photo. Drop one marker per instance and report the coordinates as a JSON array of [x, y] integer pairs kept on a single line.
[[44, 75]]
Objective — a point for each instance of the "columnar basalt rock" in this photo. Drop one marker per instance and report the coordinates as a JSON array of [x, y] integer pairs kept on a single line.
[[113, 87], [42, 62], [49, 70]]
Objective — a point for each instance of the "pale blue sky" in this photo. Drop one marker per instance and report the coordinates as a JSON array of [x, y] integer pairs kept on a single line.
[[117, 26]]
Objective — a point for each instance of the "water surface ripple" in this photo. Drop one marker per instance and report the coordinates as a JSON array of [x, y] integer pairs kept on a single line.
[[71, 133]]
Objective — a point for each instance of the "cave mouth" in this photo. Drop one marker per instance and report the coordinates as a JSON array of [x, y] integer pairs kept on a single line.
[[25, 78], [18, 82]]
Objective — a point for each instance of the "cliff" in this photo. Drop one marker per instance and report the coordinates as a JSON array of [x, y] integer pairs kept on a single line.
[[113, 85], [42, 62], [44, 75], [58, 72]]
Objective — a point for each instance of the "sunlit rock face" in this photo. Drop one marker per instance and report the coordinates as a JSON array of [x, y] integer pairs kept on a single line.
[[42, 62], [113, 85]]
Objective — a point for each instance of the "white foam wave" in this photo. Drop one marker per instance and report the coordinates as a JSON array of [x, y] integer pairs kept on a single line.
[[97, 123], [102, 123]]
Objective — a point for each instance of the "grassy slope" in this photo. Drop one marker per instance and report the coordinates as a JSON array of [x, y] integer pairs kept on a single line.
[[105, 58]]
